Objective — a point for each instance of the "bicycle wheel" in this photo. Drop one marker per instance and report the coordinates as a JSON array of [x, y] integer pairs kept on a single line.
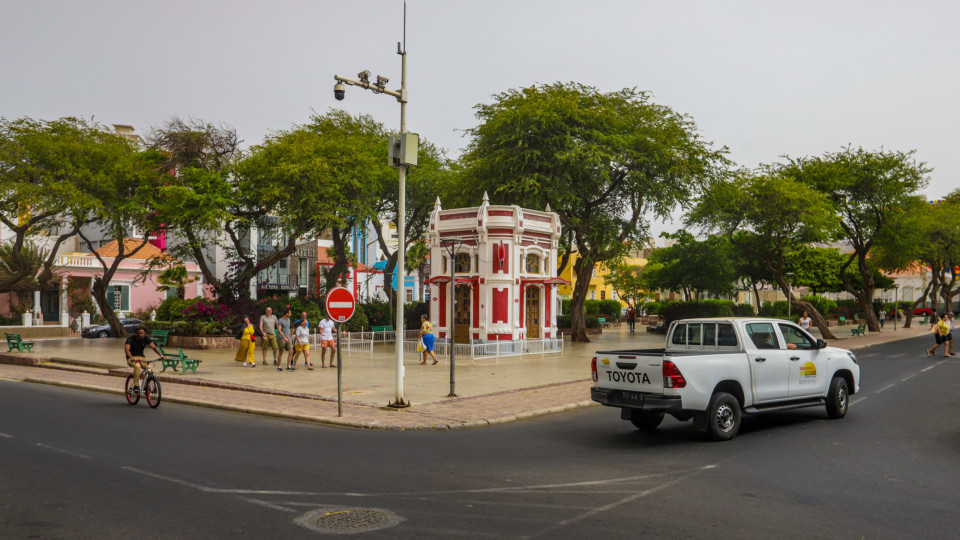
[[131, 391], [151, 391]]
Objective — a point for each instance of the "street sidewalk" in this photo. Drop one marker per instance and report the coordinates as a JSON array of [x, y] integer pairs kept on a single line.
[[489, 392]]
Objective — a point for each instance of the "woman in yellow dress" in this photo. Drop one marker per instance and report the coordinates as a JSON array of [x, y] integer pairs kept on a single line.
[[245, 350]]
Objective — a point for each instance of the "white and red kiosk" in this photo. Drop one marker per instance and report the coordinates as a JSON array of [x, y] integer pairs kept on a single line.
[[505, 267]]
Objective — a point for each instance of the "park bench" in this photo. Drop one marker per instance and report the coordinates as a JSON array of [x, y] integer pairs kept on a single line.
[[603, 322], [842, 321], [380, 328], [925, 321], [160, 337], [172, 360], [859, 330], [656, 327], [14, 341]]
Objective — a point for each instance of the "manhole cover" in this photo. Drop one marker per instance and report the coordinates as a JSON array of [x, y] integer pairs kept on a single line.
[[348, 520]]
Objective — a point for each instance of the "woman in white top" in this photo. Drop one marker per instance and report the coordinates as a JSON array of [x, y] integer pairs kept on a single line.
[[805, 321], [301, 344]]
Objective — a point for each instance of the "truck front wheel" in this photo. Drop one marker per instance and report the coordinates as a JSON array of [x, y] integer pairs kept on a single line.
[[647, 421], [723, 417], [838, 398]]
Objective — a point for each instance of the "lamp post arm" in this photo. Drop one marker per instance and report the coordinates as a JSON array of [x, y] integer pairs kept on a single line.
[[370, 86]]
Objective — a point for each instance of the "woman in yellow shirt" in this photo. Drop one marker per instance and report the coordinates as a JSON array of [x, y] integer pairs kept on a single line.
[[426, 336], [941, 332], [245, 350]]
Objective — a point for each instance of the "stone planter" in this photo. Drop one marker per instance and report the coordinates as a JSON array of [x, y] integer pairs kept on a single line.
[[202, 342]]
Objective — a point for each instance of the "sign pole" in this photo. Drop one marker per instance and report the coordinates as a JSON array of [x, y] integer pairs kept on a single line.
[[339, 375]]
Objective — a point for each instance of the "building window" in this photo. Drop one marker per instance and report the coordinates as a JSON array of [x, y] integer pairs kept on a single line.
[[118, 296], [614, 295], [533, 264], [463, 263], [593, 295], [603, 295], [409, 295]]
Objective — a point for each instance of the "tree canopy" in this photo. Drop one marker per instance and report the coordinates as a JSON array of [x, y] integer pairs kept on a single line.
[[602, 161]]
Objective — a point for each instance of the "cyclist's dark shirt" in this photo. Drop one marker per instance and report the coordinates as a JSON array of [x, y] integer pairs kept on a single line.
[[137, 345]]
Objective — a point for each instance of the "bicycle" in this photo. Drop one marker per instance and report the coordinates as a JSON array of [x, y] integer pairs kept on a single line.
[[149, 386]]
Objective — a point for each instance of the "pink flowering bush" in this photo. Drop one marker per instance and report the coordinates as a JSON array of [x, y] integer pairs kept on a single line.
[[204, 310]]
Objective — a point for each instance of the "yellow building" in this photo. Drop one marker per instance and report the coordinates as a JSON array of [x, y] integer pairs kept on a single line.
[[599, 289]]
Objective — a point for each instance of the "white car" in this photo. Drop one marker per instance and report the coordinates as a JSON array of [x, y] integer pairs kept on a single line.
[[715, 370]]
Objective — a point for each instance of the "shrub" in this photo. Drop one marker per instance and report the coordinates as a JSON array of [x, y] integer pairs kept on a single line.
[[744, 310], [592, 322], [378, 313], [651, 308], [824, 305], [774, 309], [563, 321], [673, 311], [187, 328], [412, 313], [609, 309], [206, 311], [358, 322], [171, 309]]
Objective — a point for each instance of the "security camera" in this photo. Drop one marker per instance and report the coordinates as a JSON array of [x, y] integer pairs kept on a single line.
[[339, 90], [364, 76]]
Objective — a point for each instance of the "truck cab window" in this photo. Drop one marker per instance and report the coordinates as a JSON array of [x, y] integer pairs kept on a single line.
[[762, 335], [693, 334], [794, 336], [679, 335], [726, 336]]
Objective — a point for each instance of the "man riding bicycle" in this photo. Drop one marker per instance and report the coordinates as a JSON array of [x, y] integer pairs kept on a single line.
[[134, 348]]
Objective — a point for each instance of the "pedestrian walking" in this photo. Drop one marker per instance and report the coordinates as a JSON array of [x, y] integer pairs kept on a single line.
[[285, 339], [268, 329], [631, 318], [326, 341], [940, 329], [805, 321], [883, 317], [426, 337], [950, 333], [247, 344], [301, 344]]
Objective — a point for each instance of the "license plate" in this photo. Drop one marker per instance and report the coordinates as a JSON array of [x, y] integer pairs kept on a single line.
[[631, 398]]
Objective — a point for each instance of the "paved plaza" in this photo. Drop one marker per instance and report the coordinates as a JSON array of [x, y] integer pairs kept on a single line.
[[488, 390]]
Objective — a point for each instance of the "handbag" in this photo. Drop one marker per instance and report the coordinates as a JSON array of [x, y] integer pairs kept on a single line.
[[420, 346]]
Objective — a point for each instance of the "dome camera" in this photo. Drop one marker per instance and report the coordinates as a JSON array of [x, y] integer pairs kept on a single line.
[[339, 90]]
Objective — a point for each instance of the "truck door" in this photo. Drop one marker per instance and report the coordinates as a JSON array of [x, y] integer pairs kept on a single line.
[[768, 362], [807, 363]]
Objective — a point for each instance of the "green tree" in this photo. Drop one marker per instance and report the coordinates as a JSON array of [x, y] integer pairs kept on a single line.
[[864, 188], [767, 216], [26, 262], [628, 280], [693, 266], [602, 161], [418, 259], [40, 165]]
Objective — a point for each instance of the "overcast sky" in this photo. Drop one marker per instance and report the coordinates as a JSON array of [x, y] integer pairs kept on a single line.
[[763, 78]]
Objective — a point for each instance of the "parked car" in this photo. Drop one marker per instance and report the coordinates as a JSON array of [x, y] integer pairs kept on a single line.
[[922, 311], [103, 330]]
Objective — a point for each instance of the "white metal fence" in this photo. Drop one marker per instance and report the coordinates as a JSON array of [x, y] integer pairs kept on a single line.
[[365, 342]]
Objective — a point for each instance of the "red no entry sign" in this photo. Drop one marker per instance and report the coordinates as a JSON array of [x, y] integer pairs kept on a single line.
[[340, 304]]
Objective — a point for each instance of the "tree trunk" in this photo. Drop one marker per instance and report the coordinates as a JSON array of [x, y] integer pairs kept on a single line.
[[340, 270], [578, 324], [866, 305], [804, 305], [756, 295], [100, 295]]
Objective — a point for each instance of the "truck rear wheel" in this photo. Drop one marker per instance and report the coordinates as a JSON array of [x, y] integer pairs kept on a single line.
[[838, 398], [647, 421], [723, 417]]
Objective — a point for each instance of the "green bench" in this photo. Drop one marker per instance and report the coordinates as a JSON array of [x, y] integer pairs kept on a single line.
[[14, 341], [171, 360], [603, 322], [859, 330], [842, 321], [925, 321], [160, 337], [380, 328]]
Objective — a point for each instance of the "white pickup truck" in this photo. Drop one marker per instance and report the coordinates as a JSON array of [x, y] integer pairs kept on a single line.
[[715, 370]]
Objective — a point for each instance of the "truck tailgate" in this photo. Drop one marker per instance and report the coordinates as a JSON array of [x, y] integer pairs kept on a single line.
[[635, 371]]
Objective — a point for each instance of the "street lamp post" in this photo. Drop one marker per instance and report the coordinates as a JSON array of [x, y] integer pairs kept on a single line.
[[401, 162], [451, 245], [789, 292]]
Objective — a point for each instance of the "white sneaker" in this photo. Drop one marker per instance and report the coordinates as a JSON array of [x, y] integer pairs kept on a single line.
[[247, 364]]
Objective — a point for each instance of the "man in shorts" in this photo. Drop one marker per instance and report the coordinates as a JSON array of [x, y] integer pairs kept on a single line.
[[327, 341], [134, 347], [286, 340], [268, 329]]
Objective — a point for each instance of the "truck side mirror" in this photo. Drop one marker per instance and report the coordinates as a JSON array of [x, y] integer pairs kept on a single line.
[[821, 344]]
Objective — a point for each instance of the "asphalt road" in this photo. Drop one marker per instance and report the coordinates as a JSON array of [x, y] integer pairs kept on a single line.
[[85, 465]]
